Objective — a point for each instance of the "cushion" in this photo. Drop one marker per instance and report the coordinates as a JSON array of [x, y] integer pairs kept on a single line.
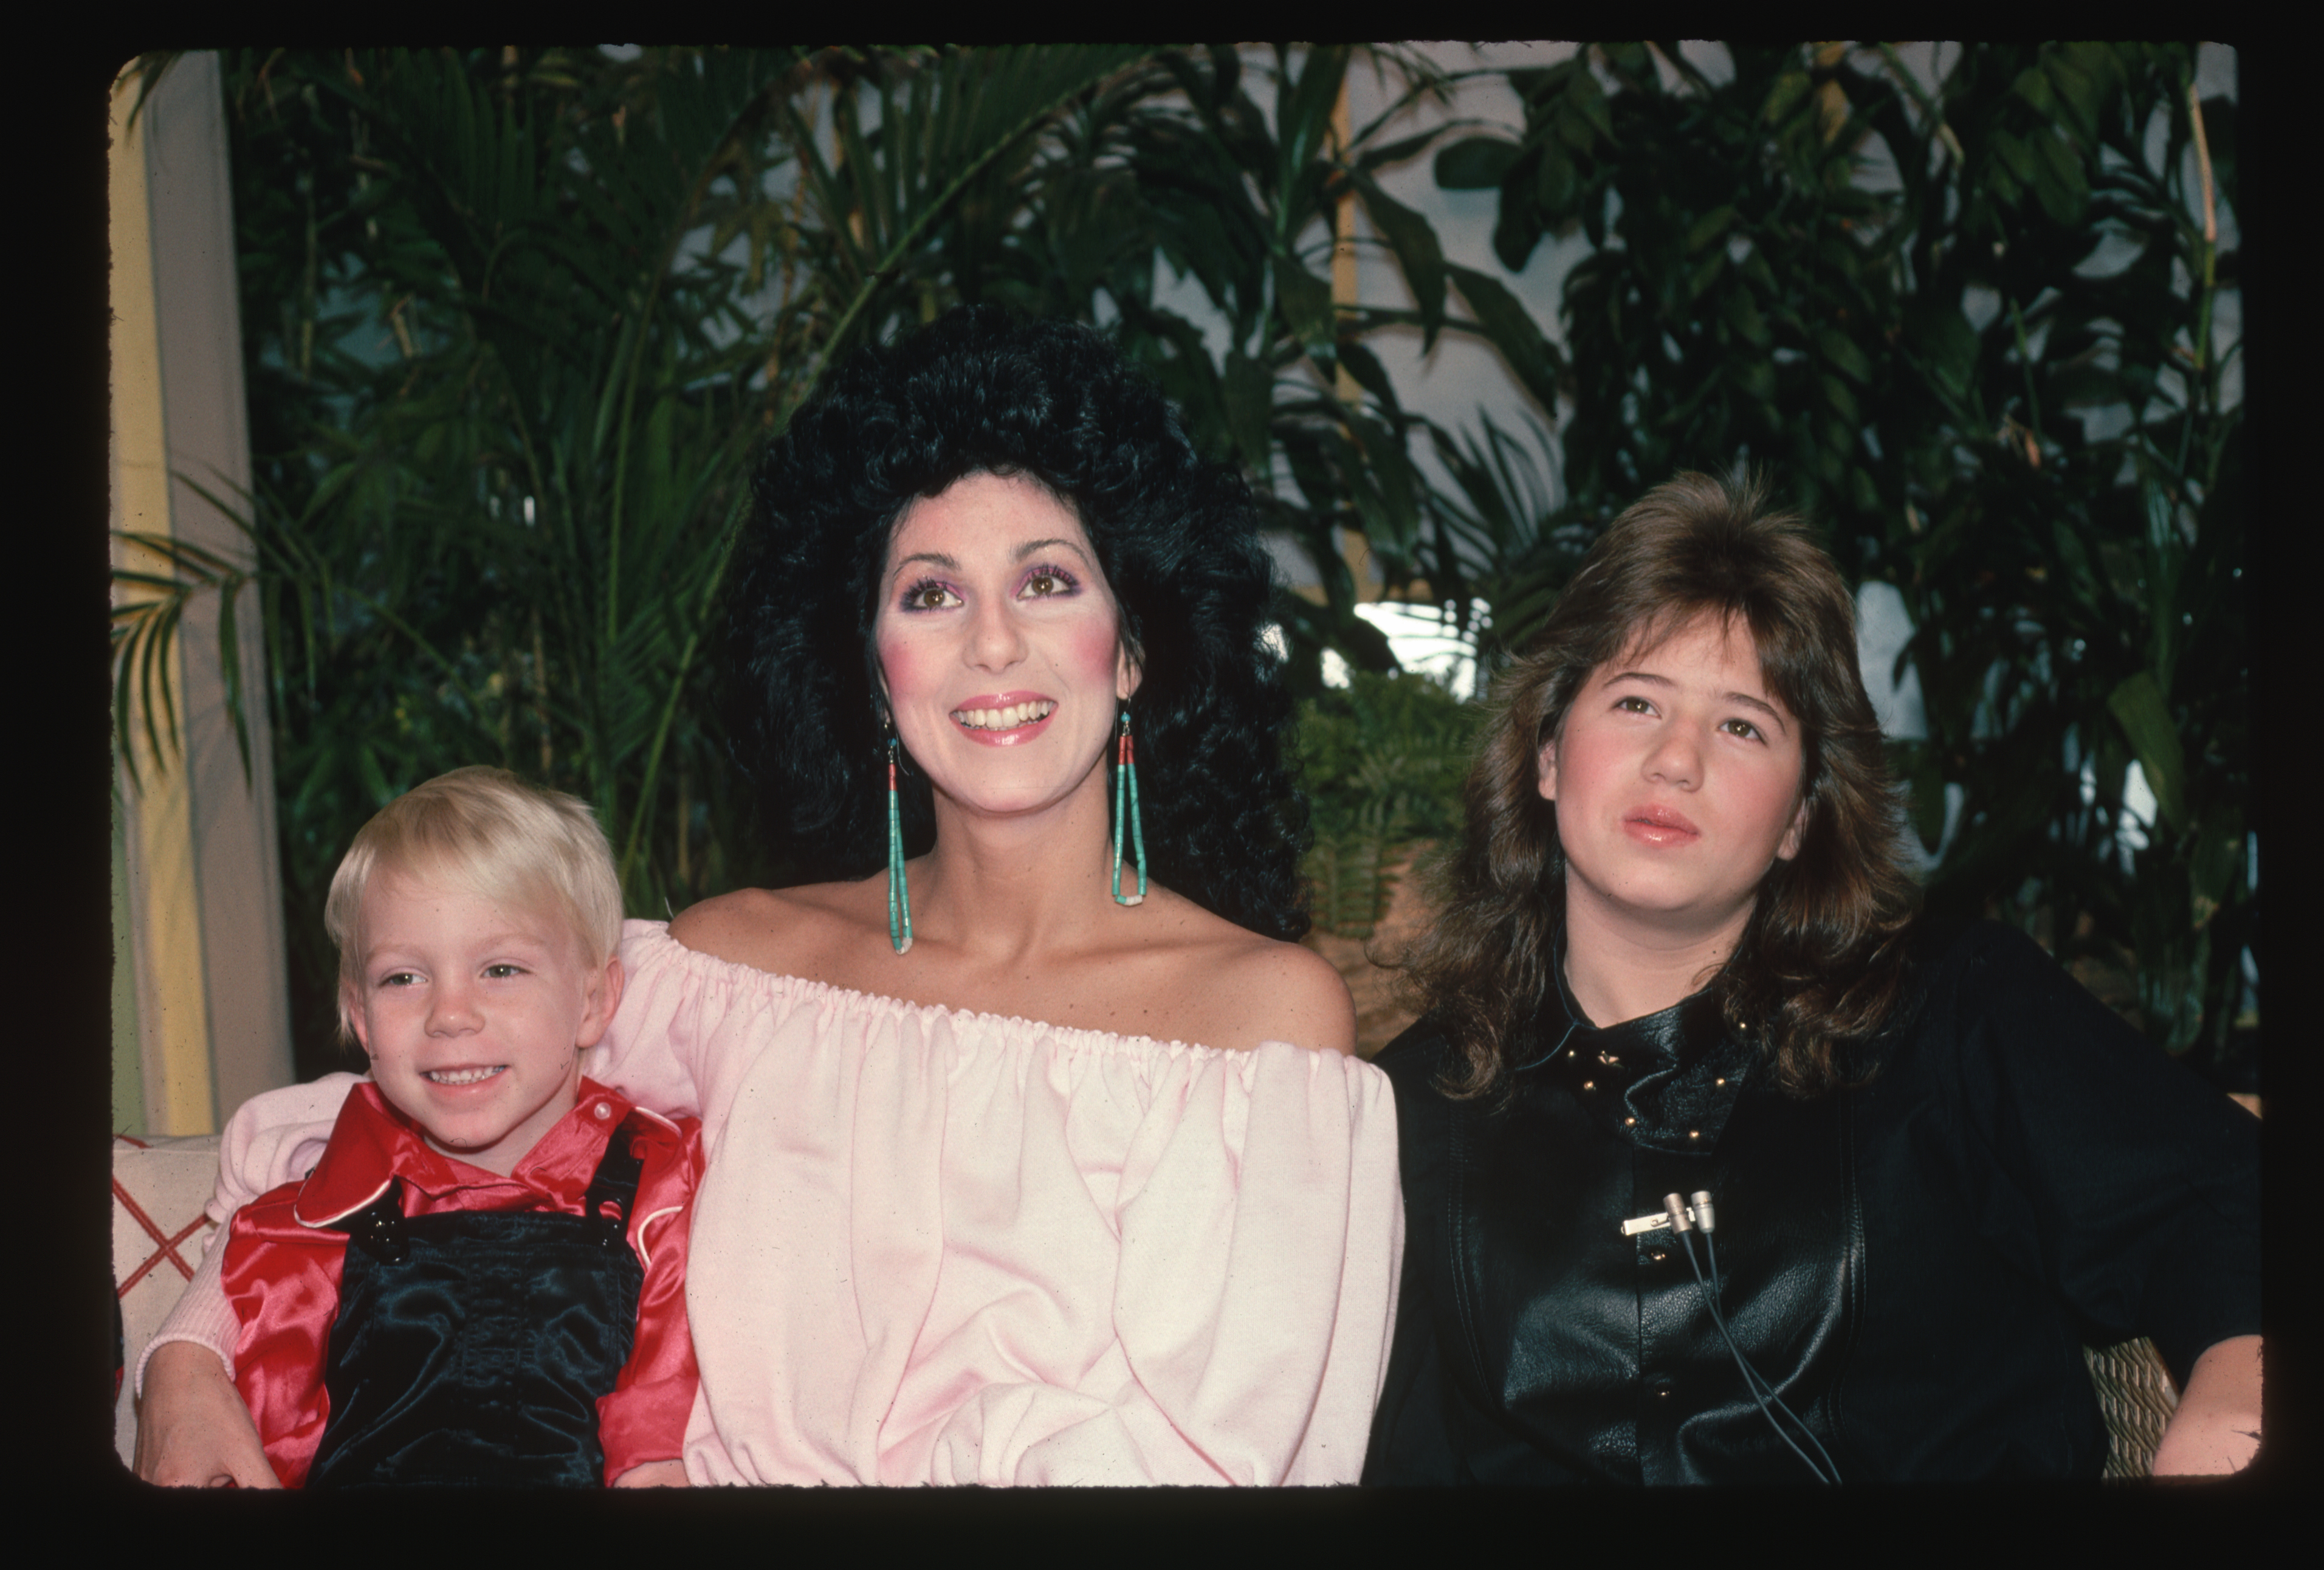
[[159, 1186]]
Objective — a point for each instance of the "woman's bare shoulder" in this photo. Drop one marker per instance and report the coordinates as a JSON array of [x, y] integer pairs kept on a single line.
[[784, 931], [1243, 989]]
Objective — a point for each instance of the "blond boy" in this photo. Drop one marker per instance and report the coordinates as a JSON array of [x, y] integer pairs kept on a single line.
[[482, 1279]]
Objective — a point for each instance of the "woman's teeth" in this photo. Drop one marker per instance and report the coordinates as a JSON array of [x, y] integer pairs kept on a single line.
[[1004, 719], [462, 1075]]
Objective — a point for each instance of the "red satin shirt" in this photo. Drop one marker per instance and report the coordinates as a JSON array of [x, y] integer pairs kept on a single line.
[[283, 1257]]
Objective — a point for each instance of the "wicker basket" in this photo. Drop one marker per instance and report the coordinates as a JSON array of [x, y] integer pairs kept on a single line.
[[2135, 1393]]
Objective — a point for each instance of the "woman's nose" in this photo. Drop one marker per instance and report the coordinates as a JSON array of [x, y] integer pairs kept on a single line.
[[995, 640]]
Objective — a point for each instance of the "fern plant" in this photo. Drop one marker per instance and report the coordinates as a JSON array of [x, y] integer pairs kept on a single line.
[[1382, 760], [515, 322]]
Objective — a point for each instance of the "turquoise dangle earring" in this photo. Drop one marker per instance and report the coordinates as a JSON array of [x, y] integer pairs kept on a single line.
[[899, 893], [1125, 807]]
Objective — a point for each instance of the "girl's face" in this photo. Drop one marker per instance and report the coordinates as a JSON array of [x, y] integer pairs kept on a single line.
[[1677, 776], [1000, 645]]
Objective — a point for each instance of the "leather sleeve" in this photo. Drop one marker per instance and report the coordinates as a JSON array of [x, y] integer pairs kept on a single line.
[[1410, 1440], [2092, 1158]]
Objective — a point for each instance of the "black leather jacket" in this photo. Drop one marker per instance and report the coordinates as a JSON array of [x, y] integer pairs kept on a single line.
[[1913, 1265]]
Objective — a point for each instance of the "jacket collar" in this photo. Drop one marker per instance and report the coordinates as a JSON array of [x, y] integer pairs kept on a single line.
[[374, 1143], [1665, 1082]]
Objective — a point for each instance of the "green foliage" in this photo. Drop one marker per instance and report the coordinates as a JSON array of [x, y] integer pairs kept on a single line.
[[1971, 332], [515, 322], [1382, 760]]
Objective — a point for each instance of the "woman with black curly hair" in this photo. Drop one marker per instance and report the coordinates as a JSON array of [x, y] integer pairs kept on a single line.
[[1723, 1166], [1038, 1154]]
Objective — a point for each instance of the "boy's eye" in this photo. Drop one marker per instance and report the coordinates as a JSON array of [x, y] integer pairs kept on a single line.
[[398, 978], [1634, 704], [1744, 728], [503, 972]]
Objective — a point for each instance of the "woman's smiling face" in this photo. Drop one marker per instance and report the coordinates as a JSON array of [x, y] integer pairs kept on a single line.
[[1677, 776], [1000, 644]]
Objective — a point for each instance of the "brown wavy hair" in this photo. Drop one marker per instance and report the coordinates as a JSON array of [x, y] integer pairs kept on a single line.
[[1821, 960]]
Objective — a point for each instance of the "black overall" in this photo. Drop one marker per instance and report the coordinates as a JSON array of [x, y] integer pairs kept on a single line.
[[471, 1347]]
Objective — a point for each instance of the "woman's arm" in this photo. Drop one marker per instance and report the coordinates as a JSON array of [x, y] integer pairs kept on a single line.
[[2135, 1185], [192, 1429], [2216, 1426], [273, 1138]]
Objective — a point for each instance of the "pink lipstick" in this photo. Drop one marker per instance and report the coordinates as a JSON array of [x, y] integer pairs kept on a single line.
[[1003, 719]]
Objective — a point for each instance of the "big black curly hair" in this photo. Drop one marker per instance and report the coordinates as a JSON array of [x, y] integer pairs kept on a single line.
[[981, 391]]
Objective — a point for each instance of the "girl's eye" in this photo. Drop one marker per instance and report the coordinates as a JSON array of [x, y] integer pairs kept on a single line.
[[1634, 704], [1048, 581], [928, 596], [1744, 728]]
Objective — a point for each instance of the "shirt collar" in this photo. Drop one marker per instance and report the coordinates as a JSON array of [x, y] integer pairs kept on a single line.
[[374, 1143], [1663, 1081]]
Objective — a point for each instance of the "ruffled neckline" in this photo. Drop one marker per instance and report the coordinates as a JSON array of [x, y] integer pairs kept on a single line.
[[805, 987]]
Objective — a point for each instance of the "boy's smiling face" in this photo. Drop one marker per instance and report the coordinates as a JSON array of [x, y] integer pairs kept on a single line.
[[475, 1013]]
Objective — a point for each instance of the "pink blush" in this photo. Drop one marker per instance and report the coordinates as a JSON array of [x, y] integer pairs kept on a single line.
[[898, 664], [1094, 649]]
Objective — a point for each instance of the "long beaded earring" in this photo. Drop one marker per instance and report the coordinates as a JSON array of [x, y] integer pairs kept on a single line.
[[899, 893], [1125, 805]]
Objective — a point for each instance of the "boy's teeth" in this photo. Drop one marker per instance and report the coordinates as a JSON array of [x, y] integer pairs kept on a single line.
[[461, 1075]]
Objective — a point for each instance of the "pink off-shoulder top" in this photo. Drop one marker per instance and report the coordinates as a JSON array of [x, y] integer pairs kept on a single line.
[[954, 1247]]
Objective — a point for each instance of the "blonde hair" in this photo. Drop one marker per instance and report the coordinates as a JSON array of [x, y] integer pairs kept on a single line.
[[500, 837]]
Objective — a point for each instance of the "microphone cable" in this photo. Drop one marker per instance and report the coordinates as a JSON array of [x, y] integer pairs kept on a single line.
[[1761, 1391]]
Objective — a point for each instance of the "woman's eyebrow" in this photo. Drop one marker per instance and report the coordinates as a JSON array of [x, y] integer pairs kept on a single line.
[[1030, 547]]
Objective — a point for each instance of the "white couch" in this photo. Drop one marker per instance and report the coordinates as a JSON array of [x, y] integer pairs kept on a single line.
[[159, 1186]]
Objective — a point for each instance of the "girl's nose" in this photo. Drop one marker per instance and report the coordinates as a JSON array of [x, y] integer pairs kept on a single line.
[[1675, 759]]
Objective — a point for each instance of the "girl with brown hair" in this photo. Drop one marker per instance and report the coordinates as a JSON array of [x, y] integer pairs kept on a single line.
[[1718, 1164]]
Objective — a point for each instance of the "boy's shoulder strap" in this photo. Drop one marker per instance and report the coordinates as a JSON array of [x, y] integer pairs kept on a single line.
[[378, 1228], [616, 1181]]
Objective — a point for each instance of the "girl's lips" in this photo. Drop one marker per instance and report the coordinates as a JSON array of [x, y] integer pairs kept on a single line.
[[1659, 826]]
